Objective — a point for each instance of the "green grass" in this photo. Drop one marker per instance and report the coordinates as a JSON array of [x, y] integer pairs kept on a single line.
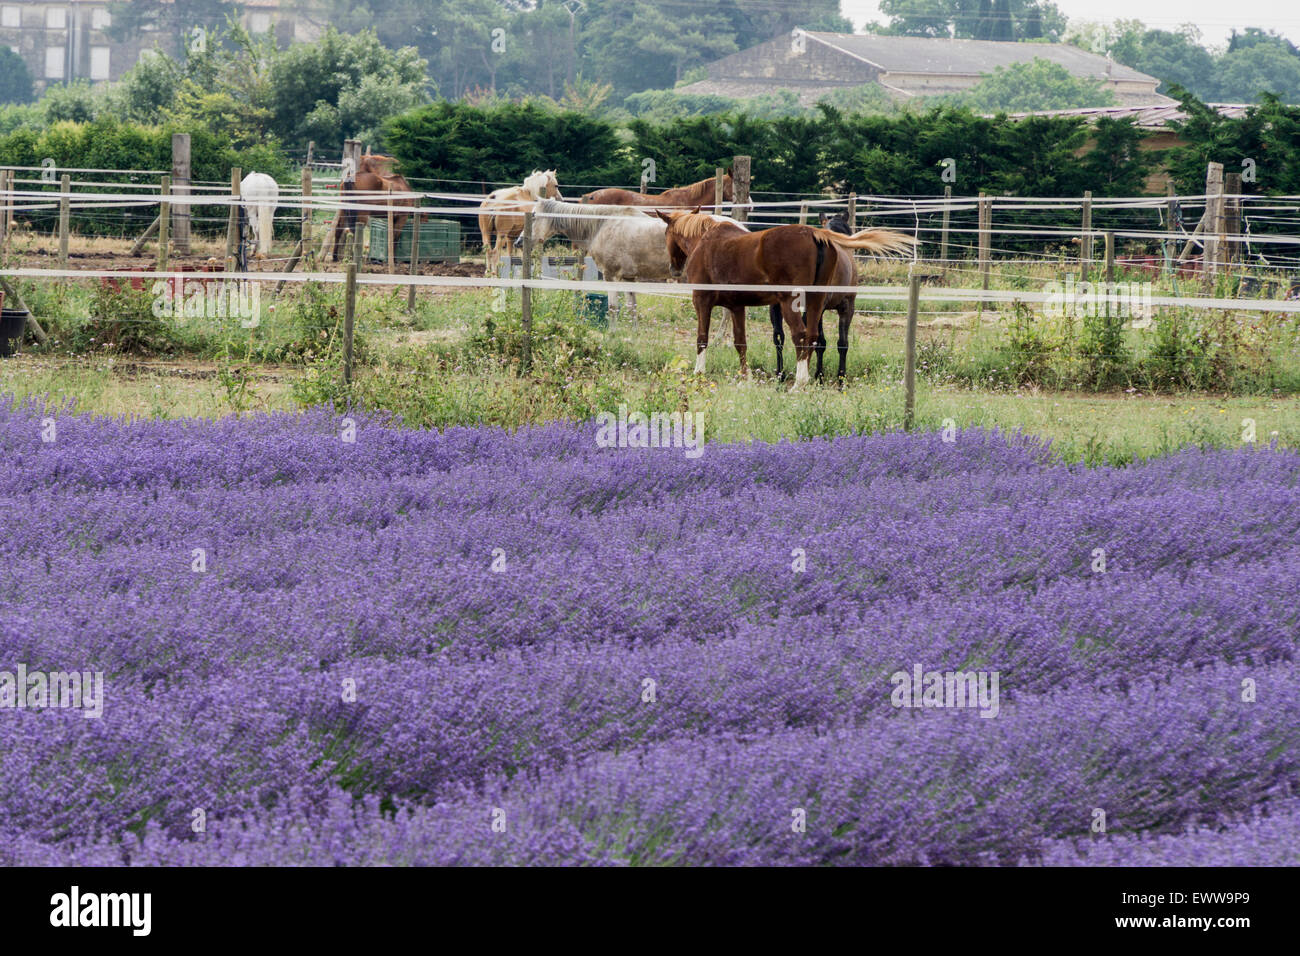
[[457, 360]]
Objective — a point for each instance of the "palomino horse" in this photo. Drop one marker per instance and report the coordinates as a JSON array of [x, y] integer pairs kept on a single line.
[[501, 217], [843, 303], [703, 194], [625, 243], [375, 177], [711, 250]]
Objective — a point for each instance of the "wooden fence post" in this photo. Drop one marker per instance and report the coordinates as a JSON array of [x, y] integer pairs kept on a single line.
[[1213, 218], [985, 239], [415, 260], [138, 246], [181, 187], [1171, 227], [803, 214], [1232, 216], [1085, 239], [65, 208], [164, 222], [392, 239], [233, 238], [943, 236], [525, 294], [306, 216], [740, 185], [5, 196], [909, 357], [349, 307], [1109, 239], [851, 212]]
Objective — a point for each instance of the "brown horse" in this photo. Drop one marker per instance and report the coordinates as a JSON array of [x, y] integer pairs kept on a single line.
[[842, 303], [711, 250], [702, 194], [375, 177]]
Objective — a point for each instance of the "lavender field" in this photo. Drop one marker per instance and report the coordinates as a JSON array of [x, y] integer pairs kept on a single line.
[[478, 646]]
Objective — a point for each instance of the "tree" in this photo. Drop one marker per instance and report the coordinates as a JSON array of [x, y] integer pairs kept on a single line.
[[1244, 74], [175, 19], [975, 19], [15, 78], [340, 86], [1041, 85]]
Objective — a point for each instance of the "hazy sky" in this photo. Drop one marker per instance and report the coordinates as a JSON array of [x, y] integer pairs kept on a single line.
[[1216, 18]]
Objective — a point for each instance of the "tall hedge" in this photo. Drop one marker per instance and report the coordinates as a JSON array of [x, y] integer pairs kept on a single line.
[[504, 143]]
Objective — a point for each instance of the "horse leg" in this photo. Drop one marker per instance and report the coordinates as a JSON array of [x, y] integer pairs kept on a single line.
[[799, 338], [845, 310], [738, 336], [820, 347], [815, 302], [778, 339], [485, 227], [703, 313]]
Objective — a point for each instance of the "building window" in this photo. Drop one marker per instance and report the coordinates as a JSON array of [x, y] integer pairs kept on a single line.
[[99, 62], [56, 18], [11, 17], [101, 19], [54, 62], [259, 22]]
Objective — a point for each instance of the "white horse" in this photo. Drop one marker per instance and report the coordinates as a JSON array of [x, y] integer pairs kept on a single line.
[[626, 244], [259, 194]]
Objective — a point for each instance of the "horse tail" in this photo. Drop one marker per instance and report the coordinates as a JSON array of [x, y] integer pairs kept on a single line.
[[265, 227], [485, 227], [883, 242]]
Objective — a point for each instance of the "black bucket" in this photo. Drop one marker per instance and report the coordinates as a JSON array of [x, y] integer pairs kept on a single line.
[[13, 322]]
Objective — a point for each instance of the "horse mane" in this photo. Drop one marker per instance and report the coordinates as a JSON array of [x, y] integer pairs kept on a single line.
[[692, 225], [572, 218], [376, 163]]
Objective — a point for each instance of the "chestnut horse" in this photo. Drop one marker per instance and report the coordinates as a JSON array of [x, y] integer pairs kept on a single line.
[[375, 177], [711, 250], [703, 194], [844, 304]]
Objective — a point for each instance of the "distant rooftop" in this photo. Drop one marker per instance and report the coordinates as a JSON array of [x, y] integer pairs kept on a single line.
[[897, 54], [904, 67], [1157, 116]]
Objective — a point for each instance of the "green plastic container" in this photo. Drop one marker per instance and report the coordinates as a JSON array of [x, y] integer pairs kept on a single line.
[[439, 240], [594, 309]]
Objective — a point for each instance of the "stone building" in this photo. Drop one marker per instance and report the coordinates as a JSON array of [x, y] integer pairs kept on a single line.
[[68, 40], [814, 64]]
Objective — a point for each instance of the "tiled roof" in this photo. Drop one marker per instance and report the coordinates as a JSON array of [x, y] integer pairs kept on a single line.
[[897, 54]]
